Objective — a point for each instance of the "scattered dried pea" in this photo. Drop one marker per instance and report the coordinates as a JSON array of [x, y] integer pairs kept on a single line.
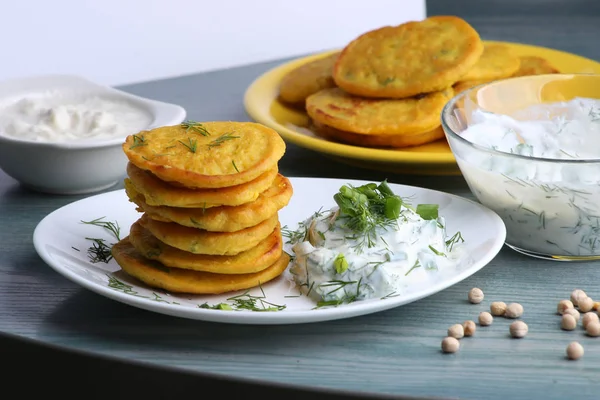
[[568, 322], [573, 312], [513, 310], [518, 329], [593, 329], [485, 318], [450, 345], [476, 295], [498, 308], [456, 331], [589, 317], [469, 328], [576, 295], [586, 304], [574, 351], [563, 306]]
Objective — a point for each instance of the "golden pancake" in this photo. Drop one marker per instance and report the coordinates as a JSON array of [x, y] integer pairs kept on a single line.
[[464, 85], [199, 241], [159, 193], [307, 79], [368, 140], [225, 218], [408, 59], [533, 65], [178, 280], [497, 62], [338, 109], [206, 155], [255, 259]]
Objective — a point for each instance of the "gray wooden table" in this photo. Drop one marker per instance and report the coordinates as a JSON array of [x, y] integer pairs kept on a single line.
[[395, 353]]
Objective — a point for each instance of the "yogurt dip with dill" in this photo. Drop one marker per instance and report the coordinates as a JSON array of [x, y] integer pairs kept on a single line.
[[549, 195], [371, 245]]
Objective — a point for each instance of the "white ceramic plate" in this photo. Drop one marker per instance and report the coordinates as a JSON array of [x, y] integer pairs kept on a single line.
[[59, 234]]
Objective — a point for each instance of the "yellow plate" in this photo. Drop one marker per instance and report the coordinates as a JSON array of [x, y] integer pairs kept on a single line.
[[262, 105]]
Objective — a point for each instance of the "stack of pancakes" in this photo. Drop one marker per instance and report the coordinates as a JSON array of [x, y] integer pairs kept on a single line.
[[387, 88], [209, 194]]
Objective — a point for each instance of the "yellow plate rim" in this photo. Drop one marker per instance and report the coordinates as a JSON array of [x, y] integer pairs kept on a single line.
[[264, 90]]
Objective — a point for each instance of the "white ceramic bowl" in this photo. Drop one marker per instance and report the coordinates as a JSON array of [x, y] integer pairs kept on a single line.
[[550, 206], [73, 167]]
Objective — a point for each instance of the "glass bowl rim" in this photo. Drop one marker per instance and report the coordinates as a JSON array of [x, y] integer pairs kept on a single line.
[[451, 104]]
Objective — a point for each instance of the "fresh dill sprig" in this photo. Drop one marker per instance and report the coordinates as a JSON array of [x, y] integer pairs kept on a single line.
[[294, 236], [235, 166], [348, 297], [416, 265], [100, 251], [112, 227], [194, 127], [246, 301], [138, 140], [456, 238], [191, 145], [223, 138]]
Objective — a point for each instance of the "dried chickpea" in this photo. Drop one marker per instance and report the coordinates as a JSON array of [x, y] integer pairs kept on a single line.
[[568, 322], [563, 306], [498, 308], [475, 295], [518, 329], [593, 329], [586, 304], [574, 351], [596, 306], [513, 310], [469, 328], [450, 345], [456, 331], [588, 318], [576, 295], [573, 312], [485, 318]]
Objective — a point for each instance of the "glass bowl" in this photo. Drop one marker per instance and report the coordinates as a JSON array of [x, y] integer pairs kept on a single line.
[[543, 180]]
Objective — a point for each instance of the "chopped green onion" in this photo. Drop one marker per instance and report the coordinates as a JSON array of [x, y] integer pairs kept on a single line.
[[428, 211], [340, 263]]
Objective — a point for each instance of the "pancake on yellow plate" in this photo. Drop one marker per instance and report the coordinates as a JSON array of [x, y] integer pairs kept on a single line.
[[200, 241], [159, 193], [179, 280], [409, 59], [224, 218], [367, 140], [307, 79], [534, 65], [208, 154], [343, 111], [255, 259], [497, 62], [464, 85]]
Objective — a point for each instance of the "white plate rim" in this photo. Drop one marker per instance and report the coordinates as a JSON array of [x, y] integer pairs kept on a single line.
[[271, 318]]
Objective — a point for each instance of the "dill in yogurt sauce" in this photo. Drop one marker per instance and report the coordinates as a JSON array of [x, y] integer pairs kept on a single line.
[[550, 207], [371, 245]]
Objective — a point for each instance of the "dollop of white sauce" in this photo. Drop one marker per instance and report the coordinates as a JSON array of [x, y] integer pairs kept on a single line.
[[57, 117], [402, 253], [549, 207]]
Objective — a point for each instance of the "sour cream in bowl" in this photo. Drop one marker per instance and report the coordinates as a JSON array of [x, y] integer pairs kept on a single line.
[[529, 149], [63, 134]]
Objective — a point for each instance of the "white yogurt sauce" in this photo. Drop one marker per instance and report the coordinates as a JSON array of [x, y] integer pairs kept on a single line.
[[58, 117], [405, 252], [551, 208]]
